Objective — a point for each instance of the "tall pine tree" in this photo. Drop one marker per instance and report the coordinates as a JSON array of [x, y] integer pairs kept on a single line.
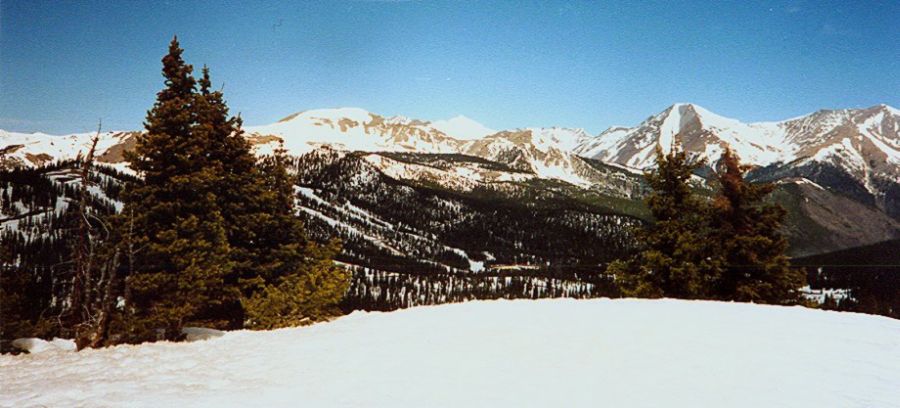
[[212, 231], [239, 191], [182, 254], [748, 230]]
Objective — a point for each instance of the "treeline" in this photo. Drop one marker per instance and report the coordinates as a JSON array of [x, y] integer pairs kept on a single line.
[[378, 290], [871, 273], [727, 248], [207, 235]]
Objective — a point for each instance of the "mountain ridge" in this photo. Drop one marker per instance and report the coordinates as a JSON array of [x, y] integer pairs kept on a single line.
[[853, 152], [515, 173]]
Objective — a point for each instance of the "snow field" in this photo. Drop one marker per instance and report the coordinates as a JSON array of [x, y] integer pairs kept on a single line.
[[601, 352]]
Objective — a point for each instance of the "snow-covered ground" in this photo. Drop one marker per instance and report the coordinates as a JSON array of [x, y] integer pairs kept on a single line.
[[623, 353]]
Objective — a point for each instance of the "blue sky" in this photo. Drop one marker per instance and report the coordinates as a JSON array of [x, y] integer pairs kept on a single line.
[[506, 64]]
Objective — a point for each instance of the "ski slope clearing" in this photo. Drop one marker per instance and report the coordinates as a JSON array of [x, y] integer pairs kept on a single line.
[[634, 353]]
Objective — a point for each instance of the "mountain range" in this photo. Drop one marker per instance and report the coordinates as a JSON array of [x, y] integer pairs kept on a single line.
[[837, 171]]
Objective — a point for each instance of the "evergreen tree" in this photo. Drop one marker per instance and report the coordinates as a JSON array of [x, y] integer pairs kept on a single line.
[[212, 233], [183, 253], [678, 260], [239, 192], [751, 242], [294, 280], [267, 240], [16, 309]]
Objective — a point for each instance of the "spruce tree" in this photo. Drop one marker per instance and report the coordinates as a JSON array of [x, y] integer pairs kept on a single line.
[[182, 251], [748, 230], [269, 248], [294, 280], [239, 190], [212, 236], [677, 259]]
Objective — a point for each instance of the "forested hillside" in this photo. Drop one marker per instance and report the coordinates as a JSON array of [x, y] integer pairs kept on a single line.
[[871, 273], [38, 226]]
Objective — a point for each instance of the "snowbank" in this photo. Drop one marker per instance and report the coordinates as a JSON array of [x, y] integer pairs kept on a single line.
[[201, 333], [35, 345], [635, 353]]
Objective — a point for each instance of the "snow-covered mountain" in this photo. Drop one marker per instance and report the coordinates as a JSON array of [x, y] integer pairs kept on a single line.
[[547, 152], [850, 136], [852, 151], [696, 129], [35, 149], [863, 141], [357, 130]]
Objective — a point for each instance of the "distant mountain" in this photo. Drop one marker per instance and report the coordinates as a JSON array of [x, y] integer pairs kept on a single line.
[[35, 149], [547, 153], [836, 171], [462, 127], [356, 129], [871, 133], [852, 151], [697, 130]]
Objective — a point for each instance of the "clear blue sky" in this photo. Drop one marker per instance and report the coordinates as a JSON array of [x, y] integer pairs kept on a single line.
[[64, 64]]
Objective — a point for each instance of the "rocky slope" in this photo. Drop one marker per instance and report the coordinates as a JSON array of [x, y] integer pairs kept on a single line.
[[855, 152]]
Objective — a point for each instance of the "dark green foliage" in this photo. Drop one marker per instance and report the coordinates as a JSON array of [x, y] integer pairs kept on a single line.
[[308, 293], [20, 298], [378, 290], [748, 232], [239, 195], [731, 250], [180, 231], [294, 280], [213, 227], [37, 270], [871, 273], [677, 259], [536, 224]]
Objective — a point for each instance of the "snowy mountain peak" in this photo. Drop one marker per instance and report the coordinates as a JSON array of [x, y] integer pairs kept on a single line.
[[356, 114], [566, 139], [688, 114], [706, 134], [887, 108], [855, 149], [461, 127], [695, 128]]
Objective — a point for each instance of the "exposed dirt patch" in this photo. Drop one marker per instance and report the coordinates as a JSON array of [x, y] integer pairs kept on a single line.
[[39, 159], [116, 153], [289, 117], [257, 139], [11, 149], [347, 124]]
